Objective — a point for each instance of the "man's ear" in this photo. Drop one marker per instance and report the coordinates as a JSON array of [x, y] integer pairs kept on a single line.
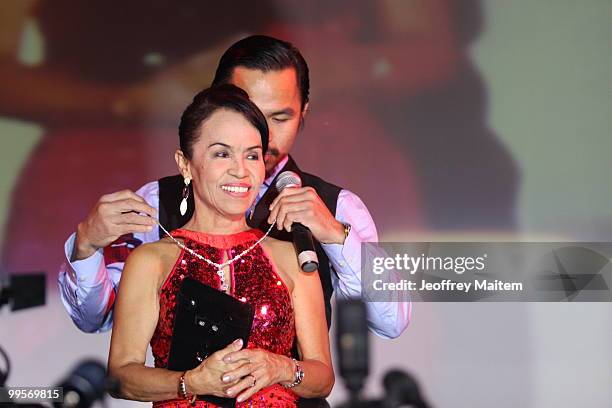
[[183, 163], [303, 115]]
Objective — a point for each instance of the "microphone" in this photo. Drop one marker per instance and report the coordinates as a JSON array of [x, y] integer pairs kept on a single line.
[[302, 237], [401, 389], [86, 384], [352, 344]]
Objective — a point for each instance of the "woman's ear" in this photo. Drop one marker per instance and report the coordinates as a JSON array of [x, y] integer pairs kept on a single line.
[[183, 164]]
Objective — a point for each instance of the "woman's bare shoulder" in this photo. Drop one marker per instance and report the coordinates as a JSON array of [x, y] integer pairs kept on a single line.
[[278, 245], [283, 253], [153, 258], [156, 251]]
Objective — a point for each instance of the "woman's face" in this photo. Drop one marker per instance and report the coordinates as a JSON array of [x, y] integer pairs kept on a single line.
[[227, 166]]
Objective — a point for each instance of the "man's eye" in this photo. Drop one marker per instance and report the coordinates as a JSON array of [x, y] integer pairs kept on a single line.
[[280, 120]]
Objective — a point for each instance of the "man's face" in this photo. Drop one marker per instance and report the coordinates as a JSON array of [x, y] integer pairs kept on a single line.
[[277, 95]]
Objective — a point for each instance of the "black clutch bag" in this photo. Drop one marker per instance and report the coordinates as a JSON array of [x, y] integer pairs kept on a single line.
[[206, 320]]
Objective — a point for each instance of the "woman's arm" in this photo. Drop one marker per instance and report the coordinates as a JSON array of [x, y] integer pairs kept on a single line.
[[312, 336], [136, 315]]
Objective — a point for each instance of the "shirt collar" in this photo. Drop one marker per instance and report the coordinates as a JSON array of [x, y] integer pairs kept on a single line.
[[276, 170]]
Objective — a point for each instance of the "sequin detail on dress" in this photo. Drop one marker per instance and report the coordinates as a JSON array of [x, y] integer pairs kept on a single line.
[[254, 280]]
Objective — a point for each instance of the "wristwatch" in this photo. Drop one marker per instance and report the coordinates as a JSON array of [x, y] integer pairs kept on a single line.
[[347, 229], [299, 375]]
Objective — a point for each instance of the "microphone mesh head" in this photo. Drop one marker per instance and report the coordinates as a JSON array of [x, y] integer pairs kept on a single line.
[[288, 179]]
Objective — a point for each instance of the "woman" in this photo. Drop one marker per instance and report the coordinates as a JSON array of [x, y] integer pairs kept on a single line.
[[223, 139]]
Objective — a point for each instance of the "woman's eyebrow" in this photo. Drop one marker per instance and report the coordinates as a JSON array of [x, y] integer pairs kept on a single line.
[[220, 144], [258, 146]]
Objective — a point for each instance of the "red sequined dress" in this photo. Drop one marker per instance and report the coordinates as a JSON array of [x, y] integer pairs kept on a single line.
[[255, 280]]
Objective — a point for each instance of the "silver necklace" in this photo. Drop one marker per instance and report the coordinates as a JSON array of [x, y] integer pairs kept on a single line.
[[218, 266]]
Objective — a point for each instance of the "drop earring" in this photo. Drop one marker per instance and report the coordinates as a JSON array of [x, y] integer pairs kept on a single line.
[[183, 206]]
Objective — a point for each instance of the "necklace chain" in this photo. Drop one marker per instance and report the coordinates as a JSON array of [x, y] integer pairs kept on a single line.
[[219, 266]]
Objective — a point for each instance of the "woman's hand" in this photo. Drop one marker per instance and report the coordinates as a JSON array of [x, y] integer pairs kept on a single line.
[[257, 369], [206, 379]]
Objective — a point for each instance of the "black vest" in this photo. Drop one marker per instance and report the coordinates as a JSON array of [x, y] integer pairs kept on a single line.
[[170, 190]]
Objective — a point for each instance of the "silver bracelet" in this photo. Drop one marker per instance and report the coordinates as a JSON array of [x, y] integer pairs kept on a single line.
[[299, 375]]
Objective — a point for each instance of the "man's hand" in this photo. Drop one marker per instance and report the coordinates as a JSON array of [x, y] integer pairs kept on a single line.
[[304, 205], [113, 215]]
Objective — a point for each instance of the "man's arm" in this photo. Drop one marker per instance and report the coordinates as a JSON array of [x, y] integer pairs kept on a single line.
[[94, 260], [386, 319], [303, 205]]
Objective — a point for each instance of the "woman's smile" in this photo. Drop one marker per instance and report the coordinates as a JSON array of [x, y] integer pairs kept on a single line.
[[240, 190]]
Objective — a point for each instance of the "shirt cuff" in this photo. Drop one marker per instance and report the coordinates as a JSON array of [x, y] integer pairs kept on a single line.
[[346, 257], [85, 272]]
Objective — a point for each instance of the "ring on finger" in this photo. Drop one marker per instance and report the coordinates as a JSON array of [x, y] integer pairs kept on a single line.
[[254, 380]]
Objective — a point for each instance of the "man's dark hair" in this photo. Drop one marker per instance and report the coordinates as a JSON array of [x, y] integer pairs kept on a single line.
[[265, 54], [210, 100]]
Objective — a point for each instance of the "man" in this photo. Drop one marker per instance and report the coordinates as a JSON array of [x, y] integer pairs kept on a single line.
[[275, 76]]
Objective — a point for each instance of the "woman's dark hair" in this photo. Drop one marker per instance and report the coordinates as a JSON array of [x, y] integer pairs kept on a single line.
[[264, 54], [210, 100]]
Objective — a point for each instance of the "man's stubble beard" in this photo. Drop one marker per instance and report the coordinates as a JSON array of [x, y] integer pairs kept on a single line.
[[273, 158]]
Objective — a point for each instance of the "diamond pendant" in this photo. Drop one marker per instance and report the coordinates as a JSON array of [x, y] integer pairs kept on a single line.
[[221, 274]]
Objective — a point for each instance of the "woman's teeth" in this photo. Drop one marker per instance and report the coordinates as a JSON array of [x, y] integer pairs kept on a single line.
[[235, 189]]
